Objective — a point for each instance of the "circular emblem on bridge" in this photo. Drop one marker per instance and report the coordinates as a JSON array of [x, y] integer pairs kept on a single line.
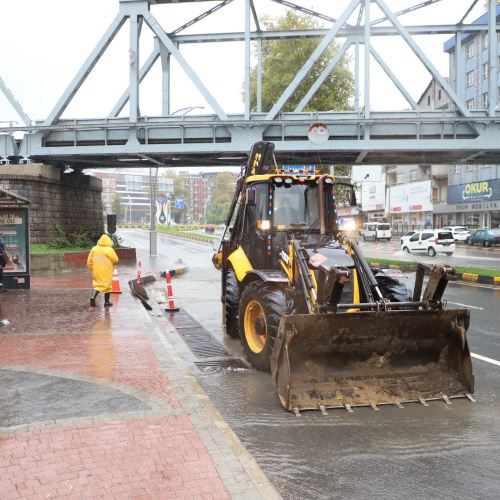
[[318, 133]]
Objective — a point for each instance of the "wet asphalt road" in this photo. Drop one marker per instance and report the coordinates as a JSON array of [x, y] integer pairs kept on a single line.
[[436, 452], [464, 255]]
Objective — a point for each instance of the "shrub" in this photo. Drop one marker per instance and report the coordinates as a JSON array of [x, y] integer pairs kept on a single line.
[[58, 239]]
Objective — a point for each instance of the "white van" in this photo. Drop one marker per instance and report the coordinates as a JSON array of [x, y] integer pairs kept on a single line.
[[376, 230], [431, 241]]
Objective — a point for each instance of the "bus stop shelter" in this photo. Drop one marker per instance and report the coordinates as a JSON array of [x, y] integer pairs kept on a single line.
[[14, 226]]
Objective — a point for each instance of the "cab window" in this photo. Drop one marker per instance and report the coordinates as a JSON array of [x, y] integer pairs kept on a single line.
[[426, 236], [415, 237], [297, 204]]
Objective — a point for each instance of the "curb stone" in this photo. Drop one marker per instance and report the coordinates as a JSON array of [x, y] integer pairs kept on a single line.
[[243, 477], [469, 277]]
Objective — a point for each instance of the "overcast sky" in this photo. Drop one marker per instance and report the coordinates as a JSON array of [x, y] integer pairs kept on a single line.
[[44, 43]]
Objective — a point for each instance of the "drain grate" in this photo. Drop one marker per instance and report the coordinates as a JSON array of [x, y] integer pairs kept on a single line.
[[199, 340], [218, 365]]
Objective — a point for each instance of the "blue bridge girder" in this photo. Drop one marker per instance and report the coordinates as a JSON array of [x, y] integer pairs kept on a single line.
[[364, 136]]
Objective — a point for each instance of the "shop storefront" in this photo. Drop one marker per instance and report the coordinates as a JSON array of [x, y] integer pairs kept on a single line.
[[410, 206], [475, 205]]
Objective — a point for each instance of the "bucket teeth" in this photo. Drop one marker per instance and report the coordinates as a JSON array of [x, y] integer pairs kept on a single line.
[[323, 410], [446, 399], [469, 397], [423, 401], [398, 403], [374, 406], [296, 411], [348, 408]]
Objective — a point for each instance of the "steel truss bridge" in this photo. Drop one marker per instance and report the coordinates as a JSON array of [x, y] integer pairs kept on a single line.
[[361, 136]]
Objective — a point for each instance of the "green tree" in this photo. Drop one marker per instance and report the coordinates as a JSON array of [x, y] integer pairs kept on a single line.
[[282, 59], [217, 212], [224, 185], [117, 207]]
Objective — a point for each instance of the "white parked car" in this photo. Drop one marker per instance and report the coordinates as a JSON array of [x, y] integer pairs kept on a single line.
[[431, 241], [460, 233], [376, 231]]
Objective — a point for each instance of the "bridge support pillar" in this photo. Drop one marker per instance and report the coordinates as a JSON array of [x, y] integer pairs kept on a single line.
[[70, 203]]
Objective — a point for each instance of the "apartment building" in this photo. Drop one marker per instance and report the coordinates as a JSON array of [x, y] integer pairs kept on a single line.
[[474, 80], [196, 197], [133, 186]]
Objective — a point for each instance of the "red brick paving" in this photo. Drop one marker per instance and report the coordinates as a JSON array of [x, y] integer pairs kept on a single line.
[[52, 328], [161, 457], [128, 358]]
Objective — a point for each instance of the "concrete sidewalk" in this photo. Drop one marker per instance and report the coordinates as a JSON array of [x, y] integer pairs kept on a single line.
[[94, 403]]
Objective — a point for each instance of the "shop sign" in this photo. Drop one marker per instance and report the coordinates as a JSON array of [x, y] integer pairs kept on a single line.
[[348, 211], [472, 207], [474, 191], [372, 195], [411, 197]]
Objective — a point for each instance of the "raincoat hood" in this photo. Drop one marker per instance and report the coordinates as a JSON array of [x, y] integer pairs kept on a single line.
[[105, 241]]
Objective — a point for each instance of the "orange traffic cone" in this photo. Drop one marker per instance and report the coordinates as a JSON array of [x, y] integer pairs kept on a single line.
[[115, 285], [171, 305]]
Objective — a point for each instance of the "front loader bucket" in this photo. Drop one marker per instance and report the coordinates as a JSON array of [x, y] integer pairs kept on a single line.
[[371, 358]]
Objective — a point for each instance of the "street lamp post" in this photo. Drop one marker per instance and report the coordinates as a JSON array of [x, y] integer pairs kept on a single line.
[[153, 176], [129, 209]]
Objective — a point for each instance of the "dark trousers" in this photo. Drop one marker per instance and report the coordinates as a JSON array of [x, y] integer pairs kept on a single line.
[[107, 295]]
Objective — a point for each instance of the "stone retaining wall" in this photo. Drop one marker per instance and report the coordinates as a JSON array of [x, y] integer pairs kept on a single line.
[[71, 202]]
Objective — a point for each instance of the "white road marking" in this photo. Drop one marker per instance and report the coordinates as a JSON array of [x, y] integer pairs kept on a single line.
[[484, 358], [466, 305], [474, 285]]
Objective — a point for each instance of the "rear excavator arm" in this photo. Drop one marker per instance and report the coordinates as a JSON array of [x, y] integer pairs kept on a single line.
[[261, 157]]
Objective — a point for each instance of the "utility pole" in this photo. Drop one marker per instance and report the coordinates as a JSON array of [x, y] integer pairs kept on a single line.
[[153, 178]]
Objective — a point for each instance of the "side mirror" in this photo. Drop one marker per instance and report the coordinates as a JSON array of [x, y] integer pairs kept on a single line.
[[251, 197], [352, 198]]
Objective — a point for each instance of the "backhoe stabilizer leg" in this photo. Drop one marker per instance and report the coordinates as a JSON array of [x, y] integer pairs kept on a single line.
[[438, 280]]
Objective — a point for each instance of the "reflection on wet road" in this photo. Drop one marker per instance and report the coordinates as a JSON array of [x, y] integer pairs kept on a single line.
[[435, 452]]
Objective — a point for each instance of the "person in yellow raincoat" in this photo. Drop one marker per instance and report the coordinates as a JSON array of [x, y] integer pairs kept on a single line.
[[100, 261]]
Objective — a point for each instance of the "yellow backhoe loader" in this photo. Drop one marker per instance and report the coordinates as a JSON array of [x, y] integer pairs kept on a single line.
[[307, 306]]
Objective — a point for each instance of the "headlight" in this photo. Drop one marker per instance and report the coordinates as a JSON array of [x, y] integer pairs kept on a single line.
[[264, 225]]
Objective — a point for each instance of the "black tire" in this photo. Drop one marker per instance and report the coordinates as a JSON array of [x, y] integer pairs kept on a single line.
[[449, 254], [469, 242], [392, 289], [406, 249], [431, 252], [488, 244], [261, 307], [231, 304]]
